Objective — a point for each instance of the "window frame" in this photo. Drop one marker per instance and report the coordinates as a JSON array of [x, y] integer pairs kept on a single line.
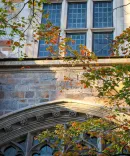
[[85, 16], [110, 32], [89, 27]]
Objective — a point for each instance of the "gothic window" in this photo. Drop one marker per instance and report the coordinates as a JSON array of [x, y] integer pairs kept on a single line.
[[45, 151], [33, 147], [10, 151]]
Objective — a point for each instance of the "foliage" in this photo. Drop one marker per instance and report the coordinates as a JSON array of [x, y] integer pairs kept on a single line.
[[112, 82], [15, 25], [78, 138]]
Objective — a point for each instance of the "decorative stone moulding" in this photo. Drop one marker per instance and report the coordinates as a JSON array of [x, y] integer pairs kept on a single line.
[[24, 122], [56, 114], [8, 128], [89, 116], [72, 114], [40, 117], [45, 116]]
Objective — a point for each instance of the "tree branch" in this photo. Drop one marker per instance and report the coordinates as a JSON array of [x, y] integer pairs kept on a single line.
[[19, 11]]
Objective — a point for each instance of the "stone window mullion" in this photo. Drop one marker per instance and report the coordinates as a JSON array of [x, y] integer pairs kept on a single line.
[[89, 24], [28, 144], [63, 22]]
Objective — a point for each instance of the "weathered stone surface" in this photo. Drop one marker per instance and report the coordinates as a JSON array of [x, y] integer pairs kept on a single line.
[[42, 94], [8, 105], [1, 113], [20, 75], [7, 49], [14, 95], [20, 87], [1, 94], [43, 100], [23, 106], [8, 87], [29, 94], [19, 94], [23, 88]]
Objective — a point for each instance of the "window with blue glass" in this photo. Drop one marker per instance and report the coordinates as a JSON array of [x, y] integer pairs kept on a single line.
[[45, 151], [77, 15], [54, 11], [43, 52], [79, 39], [102, 43], [11, 151], [103, 14]]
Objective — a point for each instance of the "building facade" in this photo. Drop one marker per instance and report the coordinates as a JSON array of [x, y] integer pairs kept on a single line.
[[37, 93]]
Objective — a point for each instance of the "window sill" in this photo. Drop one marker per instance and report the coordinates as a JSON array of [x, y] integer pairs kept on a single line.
[[78, 30], [108, 29]]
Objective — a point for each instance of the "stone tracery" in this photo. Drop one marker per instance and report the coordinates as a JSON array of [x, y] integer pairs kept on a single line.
[[23, 126]]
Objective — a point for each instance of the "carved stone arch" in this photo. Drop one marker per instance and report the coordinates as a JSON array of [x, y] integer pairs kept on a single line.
[[46, 115], [38, 147], [18, 147], [19, 150]]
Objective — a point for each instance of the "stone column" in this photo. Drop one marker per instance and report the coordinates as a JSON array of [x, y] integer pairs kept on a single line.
[[89, 24], [126, 13], [118, 22]]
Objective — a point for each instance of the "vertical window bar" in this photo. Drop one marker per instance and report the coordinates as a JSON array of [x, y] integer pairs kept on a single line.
[[54, 11]]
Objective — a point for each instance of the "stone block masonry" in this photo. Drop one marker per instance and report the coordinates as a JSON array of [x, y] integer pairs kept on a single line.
[[28, 87]]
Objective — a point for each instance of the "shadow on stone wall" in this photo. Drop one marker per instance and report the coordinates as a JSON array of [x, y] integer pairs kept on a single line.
[[29, 85]]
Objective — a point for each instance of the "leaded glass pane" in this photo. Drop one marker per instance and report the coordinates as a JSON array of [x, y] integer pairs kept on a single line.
[[45, 151], [102, 14], [54, 11], [77, 14], [35, 141], [43, 52], [79, 39], [102, 43], [10, 152], [91, 140]]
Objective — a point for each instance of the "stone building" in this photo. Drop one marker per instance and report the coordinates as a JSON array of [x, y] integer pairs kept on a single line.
[[35, 94]]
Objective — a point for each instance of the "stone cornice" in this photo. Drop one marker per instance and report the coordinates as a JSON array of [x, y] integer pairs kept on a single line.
[[58, 63]]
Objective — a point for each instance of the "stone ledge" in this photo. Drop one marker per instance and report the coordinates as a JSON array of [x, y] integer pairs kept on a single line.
[[60, 63]]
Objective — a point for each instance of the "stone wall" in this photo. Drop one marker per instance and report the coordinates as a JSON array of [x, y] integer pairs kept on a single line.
[[27, 86], [31, 82]]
